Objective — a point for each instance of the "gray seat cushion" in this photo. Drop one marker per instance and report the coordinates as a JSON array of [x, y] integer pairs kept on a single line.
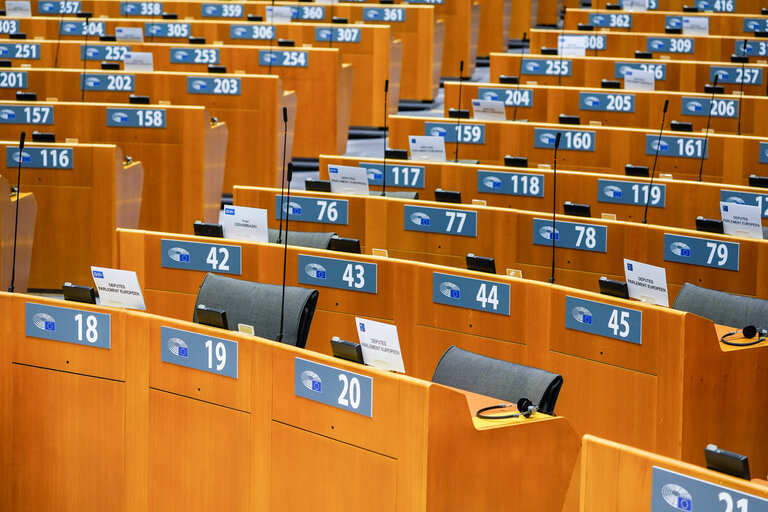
[[721, 307], [317, 240]]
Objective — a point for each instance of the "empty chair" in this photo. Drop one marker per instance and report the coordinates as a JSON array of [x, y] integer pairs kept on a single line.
[[316, 240], [258, 305], [721, 307], [498, 379]]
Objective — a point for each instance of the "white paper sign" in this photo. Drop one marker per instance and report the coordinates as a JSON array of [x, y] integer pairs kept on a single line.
[[380, 344], [134, 34], [138, 61], [646, 282], [346, 179], [244, 223], [572, 46], [741, 220], [17, 9], [695, 25], [119, 288], [639, 80], [278, 14], [427, 147], [635, 5], [488, 110]]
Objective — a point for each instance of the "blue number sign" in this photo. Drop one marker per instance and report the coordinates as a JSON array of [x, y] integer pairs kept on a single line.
[[669, 145], [194, 55], [604, 319], [571, 235], [466, 133], [26, 114], [110, 82], [27, 51], [731, 75], [405, 176], [200, 352], [261, 32], [205, 257], [510, 183], [136, 117], [283, 58], [469, 293], [701, 251], [40, 158], [331, 386], [314, 209], [575, 140], [610, 20], [607, 102], [510, 97], [440, 220], [556, 67], [760, 200], [631, 192], [659, 70], [337, 273], [69, 325], [13, 79], [217, 86]]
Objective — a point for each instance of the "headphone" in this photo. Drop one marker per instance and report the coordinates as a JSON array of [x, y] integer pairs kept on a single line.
[[524, 406], [747, 333]]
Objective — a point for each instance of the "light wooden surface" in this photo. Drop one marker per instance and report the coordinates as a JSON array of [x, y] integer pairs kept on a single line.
[[743, 6], [25, 236]]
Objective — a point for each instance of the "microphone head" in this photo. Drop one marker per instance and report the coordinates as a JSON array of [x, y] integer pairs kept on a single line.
[[461, 67], [289, 172], [744, 46], [21, 140], [666, 104], [285, 114], [714, 84], [557, 140], [524, 405], [749, 331], [386, 86]]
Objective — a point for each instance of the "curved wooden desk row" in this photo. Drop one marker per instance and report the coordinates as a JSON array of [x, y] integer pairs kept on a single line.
[[621, 44], [129, 427], [675, 203], [322, 88], [646, 394], [374, 56], [721, 23], [728, 158], [740, 6], [181, 151], [672, 75], [83, 192], [26, 230], [545, 103], [250, 105]]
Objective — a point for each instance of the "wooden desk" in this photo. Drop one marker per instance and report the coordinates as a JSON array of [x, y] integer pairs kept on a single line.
[[25, 238], [743, 6]]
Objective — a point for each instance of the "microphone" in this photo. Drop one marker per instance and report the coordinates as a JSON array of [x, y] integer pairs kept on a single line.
[[384, 166], [655, 159], [519, 73], [562, 34], [709, 118], [85, 60], [282, 181], [458, 110], [554, 206], [741, 85], [285, 254], [16, 222]]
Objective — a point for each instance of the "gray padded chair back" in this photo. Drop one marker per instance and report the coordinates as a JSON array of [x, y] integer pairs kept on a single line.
[[258, 304], [721, 307], [398, 194], [498, 379], [316, 240]]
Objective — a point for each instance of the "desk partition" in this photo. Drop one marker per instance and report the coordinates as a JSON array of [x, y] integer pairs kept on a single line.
[[24, 235]]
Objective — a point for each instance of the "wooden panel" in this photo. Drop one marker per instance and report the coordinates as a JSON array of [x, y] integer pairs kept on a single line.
[[743, 6], [25, 236]]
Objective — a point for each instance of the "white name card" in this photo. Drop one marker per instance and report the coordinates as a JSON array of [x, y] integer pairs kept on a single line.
[[138, 61], [118, 288], [635, 5], [380, 344], [572, 46], [488, 110], [639, 80], [646, 282], [130, 34], [427, 147], [279, 14], [696, 25], [741, 220], [17, 9], [244, 223], [346, 179]]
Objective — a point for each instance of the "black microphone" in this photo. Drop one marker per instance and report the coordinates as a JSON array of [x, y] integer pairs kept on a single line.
[[655, 159], [562, 34], [554, 206], [16, 222], [458, 110], [285, 253], [709, 118], [741, 86], [85, 60], [384, 166], [519, 73], [282, 181]]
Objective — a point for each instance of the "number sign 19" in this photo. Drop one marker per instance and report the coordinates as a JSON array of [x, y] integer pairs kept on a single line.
[[571, 235], [205, 257], [440, 220], [352, 275], [200, 352], [314, 209], [77, 326], [604, 319], [703, 252], [328, 385], [469, 293]]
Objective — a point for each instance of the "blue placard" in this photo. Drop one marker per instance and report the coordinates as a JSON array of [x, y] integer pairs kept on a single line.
[[610, 20], [510, 97], [26, 114], [445, 221], [719, 107], [9, 26], [669, 145], [223, 10], [703, 252], [716, 5], [136, 117], [194, 55], [510, 183], [338, 34], [571, 235], [284, 58], [141, 8], [763, 157], [748, 198], [547, 67], [574, 140], [314, 209], [731, 75], [59, 7], [209, 85], [331, 386], [13, 79], [40, 158], [467, 133], [669, 44], [259, 32], [675, 491], [308, 12], [107, 82], [351, 275], [103, 52], [69, 325], [403, 176], [199, 352], [469, 293], [388, 14], [26, 51], [157, 29], [205, 257], [755, 25], [81, 28], [631, 192], [753, 48], [659, 70], [603, 319], [607, 102]]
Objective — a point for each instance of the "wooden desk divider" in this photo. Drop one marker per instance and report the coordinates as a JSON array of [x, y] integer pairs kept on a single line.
[[671, 75], [25, 237], [248, 104], [181, 151], [642, 383], [728, 158]]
